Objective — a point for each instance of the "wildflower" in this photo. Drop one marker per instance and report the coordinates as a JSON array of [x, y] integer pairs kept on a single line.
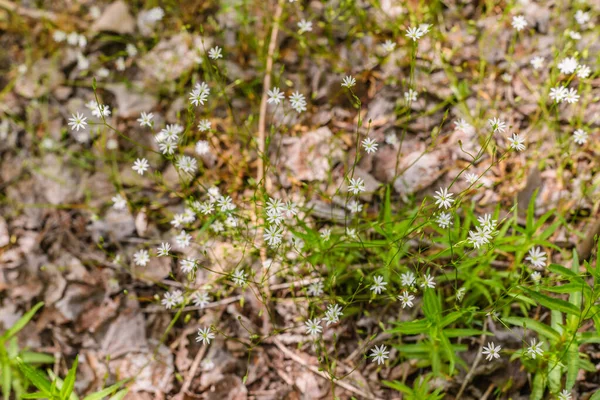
[[231, 222], [225, 203], [424, 28], [497, 125], [215, 53], [479, 237], [580, 136], [183, 239], [304, 26], [351, 233], [571, 96], [298, 102], [315, 289], [217, 226], [275, 96], [558, 93], [370, 145], [354, 206], [163, 249], [516, 142], [170, 300], [487, 222], [188, 265], [379, 354], [428, 282], [145, 119], [119, 202], [406, 299], [582, 17], [564, 395], [131, 50], [313, 327], [325, 234], [274, 206], [574, 35], [568, 65], [204, 125], [199, 95], [141, 258], [207, 364], [408, 279], [77, 121], [388, 46], [460, 294], [491, 351], [205, 335], [202, 147], [583, 71], [536, 257], [167, 147], [348, 82], [443, 198], [464, 126], [206, 208], [519, 22], [444, 220], [535, 349], [59, 36], [239, 277], [410, 96], [201, 299], [537, 62], [414, 33], [471, 178], [273, 235], [140, 166], [536, 276], [290, 209], [187, 164], [356, 186], [333, 314], [178, 220], [391, 139], [378, 285]]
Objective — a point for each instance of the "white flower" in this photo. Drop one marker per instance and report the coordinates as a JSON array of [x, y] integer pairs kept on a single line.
[[574, 35], [414, 33], [388, 46], [313, 327], [77, 121], [98, 110], [275, 96], [491, 351], [443, 198], [225, 203], [273, 235], [171, 300], [471, 178], [215, 53], [167, 147], [333, 314], [163, 249], [479, 237], [378, 285], [183, 239], [59, 36], [356, 186], [428, 282], [582, 17], [379, 354], [536, 257], [119, 202], [497, 125], [204, 125], [202, 147], [564, 395], [145, 119], [325, 234], [410, 96], [537, 62], [304, 26], [187, 164], [568, 65], [370, 145], [188, 265], [571, 96], [535, 349], [201, 299], [444, 220], [204, 335], [290, 209], [217, 226], [464, 126], [558, 93], [199, 95], [348, 82], [239, 277], [583, 71], [315, 289], [298, 102], [354, 206], [516, 142], [391, 139], [351, 233], [519, 22], [408, 279], [141, 258], [460, 293], [536, 276], [580, 136], [487, 222], [140, 166], [406, 299], [131, 50]]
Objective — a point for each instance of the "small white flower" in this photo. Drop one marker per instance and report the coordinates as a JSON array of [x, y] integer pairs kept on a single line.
[[471, 178], [304, 26], [516, 142], [167, 147], [354, 206], [487, 223], [414, 33], [491, 351], [187, 164], [313, 327], [568, 65], [571, 96], [298, 102], [119, 202], [201, 299], [141, 258], [537, 62], [204, 125], [140, 166], [163, 249], [205, 335], [325, 234], [348, 82], [356, 186], [275, 96], [225, 203], [580, 136], [406, 299], [215, 53], [388, 46], [171, 300], [239, 277], [536, 257], [188, 265], [444, 220], [315, 289], [410, 96], [582, 17], [428, 282], [333, 314], [536, 276], [379, 354], [131, 50], [519, 22], [460, 294], [535, 349], [77, 121], [497, 125], [145, 119], [479, 237], [463, 126], [351, 233], [443, 198], [370, 145], [583, 71], [564, 395], [378, 285], [558, 93], [183, 239], [202, 147], [408, 279]]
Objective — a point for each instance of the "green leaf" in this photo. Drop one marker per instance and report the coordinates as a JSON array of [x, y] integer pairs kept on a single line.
[[596, 395], [411, 327], [535, 326], [106, 391], [6, 379], [431, 305], [450, 318], [537, 391], [119, 395], [35, 377], [572, 366], [552, 303], [452, 333], [447, 348], [399, 386], [565, 272], [69, 383], [529, 227], [20, 324], [36, 395], [30, 357]]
